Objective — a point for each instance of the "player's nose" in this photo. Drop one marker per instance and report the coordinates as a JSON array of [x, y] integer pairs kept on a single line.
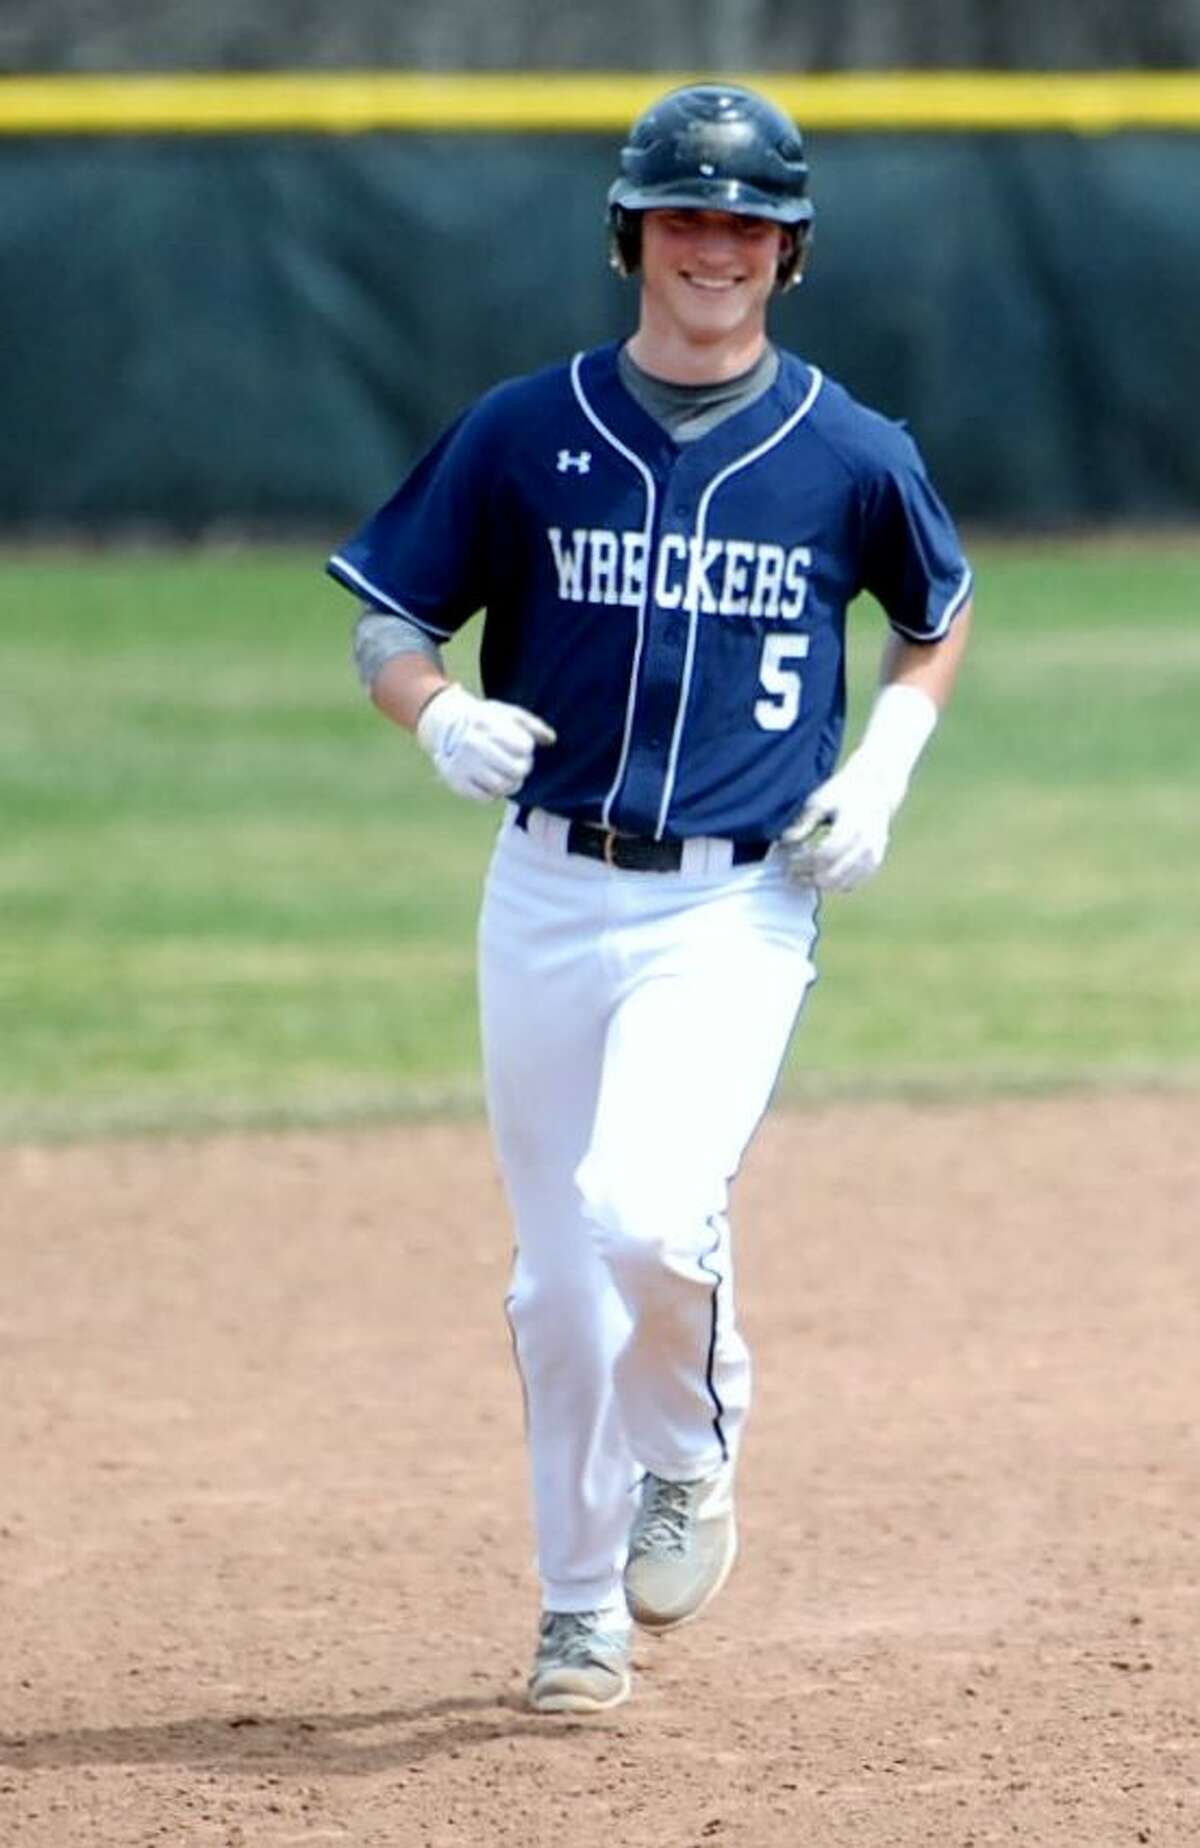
[[717, 245]]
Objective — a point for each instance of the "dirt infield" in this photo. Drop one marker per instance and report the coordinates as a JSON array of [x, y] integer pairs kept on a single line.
[[264, 1547]]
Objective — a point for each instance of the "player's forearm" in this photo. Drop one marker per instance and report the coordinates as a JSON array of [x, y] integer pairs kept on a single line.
[[399, 665], [931, 667], [404, 686], [916, 680]]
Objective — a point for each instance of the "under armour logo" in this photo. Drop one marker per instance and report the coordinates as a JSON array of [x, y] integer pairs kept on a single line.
[[582, 462]]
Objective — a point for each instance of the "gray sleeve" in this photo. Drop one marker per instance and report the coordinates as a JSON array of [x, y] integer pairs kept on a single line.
[[377, 637]]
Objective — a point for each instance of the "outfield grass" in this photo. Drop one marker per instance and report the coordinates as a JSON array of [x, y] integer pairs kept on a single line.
[[231, 894]]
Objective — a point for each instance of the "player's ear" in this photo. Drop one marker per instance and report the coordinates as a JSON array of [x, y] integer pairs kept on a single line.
[[793, 256], [624, 240]]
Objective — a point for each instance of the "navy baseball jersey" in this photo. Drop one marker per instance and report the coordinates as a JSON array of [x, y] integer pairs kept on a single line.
[[675, 611]]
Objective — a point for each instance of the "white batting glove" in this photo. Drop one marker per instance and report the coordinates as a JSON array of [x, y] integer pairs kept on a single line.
[[482, 748], [840, 837]]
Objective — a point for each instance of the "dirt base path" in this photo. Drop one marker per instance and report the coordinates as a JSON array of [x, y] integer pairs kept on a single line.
[[263, 1537]]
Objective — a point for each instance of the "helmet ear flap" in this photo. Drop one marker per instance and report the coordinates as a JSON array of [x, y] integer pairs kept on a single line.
[[625, 240]]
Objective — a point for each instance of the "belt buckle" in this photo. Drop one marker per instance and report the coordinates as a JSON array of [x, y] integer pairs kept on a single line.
[[610, 837]]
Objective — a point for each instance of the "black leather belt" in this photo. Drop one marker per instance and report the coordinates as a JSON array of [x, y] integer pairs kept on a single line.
[[637, 853]]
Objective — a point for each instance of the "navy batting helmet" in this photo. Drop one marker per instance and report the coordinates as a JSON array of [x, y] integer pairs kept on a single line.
[[713, 147]]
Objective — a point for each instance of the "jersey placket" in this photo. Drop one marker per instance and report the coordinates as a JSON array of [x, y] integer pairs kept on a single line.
[[666, 655]]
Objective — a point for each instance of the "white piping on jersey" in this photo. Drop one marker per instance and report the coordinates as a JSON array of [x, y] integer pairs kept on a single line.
[[948, 614], [648, 531], [343, 565], [731, 468]]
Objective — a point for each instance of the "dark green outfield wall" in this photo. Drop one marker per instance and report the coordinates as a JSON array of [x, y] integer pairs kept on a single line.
[[267, 331]]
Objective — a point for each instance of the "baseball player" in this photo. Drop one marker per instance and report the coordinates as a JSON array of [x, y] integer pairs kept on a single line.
[[663, 535]]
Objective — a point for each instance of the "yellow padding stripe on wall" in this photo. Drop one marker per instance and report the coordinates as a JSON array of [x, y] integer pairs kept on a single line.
[[359, 102]]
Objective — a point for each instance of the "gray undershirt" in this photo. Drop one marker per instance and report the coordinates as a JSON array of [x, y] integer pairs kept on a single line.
[[379, 637], [685, 412], [690, 411]]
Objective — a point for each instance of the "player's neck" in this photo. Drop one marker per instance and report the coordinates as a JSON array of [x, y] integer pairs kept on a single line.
[[669, 353]]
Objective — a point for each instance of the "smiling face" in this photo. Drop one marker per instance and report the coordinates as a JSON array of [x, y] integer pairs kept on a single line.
[[706, 280]]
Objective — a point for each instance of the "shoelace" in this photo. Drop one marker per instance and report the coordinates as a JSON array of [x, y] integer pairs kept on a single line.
[[665, 1524], [575, 1636]]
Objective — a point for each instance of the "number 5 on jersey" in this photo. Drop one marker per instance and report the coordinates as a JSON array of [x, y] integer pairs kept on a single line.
[[783, 683]]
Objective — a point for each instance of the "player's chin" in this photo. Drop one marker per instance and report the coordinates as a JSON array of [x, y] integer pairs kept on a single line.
[[722, 310], [713, 315]]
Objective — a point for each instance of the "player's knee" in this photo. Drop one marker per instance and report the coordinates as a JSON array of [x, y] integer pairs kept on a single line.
[[648, 1201], [535, 1302], [633, 1229], [553, 1320], [637, 1260]]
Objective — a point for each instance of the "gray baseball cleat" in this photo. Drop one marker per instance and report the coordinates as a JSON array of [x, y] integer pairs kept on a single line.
[[582, 1663], [681, 1548]]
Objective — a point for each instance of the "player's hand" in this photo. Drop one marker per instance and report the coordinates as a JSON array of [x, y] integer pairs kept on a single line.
[[482, 748], [840, 837]]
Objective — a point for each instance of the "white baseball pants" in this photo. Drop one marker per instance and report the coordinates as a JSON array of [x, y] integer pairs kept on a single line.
[[633, 1027]]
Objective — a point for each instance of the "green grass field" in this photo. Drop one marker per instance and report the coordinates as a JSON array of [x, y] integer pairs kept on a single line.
[[231, 894]]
